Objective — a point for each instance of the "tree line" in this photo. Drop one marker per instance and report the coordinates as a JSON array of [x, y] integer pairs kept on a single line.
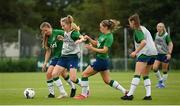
[[29, 14]]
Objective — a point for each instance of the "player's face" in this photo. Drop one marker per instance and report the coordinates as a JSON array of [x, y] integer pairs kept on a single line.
[[102, 28], [160, 27], [46, 31], [65, 26]]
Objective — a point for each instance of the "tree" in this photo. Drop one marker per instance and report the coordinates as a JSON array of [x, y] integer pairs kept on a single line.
[[89, 13]]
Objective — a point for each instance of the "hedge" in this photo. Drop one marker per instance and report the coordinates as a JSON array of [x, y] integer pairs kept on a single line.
[[20, 65]]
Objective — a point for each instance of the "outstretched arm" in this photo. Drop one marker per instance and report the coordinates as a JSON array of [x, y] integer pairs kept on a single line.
[[93, 42], [103, 50]]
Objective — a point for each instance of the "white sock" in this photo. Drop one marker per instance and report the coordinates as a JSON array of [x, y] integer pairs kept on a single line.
[[59, 84], [134, 83], [84, 85], [50, 85], [165, 77], [158, 75], [147, 85], [79, 82], [71, 83], [117, 86]]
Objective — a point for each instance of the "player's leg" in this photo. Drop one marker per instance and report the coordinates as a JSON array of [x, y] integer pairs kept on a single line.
[[106, 78], [140, 67], [72, 65], [49, 81], [165, 67], [89, 71], [147, 82], [73, 76], [68, 80], [56, 73], [49, 77], [157, 72]]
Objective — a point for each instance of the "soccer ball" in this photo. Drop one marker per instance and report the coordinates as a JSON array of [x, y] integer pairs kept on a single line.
[[29, 93]]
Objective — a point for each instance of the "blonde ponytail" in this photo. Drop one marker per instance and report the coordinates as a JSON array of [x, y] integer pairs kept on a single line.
[[70, 20]]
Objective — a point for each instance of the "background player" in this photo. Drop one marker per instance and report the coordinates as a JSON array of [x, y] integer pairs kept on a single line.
[[145, 52], [164, 47], [101, 65]]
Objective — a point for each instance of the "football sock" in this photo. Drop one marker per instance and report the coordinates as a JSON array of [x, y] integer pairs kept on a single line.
[[50, 86], [165, 76], [84, 85], [147, 85], [68, 80], [117, 86], [134, 83], [78, 81], [59, 84], [158, 74]]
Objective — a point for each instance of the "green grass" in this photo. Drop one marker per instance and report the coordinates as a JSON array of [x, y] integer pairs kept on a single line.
[[12, 86]]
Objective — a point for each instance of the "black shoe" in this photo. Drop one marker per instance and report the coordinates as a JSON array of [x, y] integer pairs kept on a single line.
[[73, 92], [51, 96], [147, 98], [127, 97]]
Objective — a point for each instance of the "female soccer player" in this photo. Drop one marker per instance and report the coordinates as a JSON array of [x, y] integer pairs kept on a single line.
[[53, 49], [101, 65], [145, 52], [70, 50], [164, 47]]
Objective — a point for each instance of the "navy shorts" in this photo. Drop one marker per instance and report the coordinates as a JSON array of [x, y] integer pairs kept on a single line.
[[101, 64], [68, 62], [149, 59], [162, 58], [54, 61]]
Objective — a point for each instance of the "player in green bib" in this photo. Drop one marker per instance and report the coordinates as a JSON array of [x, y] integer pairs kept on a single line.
[[101, 65], [164, 47], [145, 52], [53, 48]]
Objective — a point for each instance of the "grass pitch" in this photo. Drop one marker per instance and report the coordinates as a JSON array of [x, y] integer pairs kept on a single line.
[[12, 86]]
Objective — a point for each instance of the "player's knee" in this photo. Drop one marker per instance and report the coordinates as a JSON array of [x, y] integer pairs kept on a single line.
[[155, 68], [54, 74], [84, 74], [49, 75]]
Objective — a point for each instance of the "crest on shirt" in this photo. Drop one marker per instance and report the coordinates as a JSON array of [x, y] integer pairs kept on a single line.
[[54, 45]]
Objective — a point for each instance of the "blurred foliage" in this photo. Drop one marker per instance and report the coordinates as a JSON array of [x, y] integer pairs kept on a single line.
[[15, 14], [22, 65]]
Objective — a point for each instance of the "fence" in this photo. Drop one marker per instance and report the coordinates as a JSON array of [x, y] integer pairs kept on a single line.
[[26, 46]]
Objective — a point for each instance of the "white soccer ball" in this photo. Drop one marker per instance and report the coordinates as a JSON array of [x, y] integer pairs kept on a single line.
[[29, 93]]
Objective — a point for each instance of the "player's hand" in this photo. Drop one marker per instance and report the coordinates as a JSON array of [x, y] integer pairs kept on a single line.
[[86, 37], [44, 67], [168, 56], [89, 46], [133, 54], [60, 37], [80, 40]]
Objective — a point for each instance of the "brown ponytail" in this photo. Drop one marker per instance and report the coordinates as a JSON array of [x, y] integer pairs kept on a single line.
[[111, 24], [136, 20]]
